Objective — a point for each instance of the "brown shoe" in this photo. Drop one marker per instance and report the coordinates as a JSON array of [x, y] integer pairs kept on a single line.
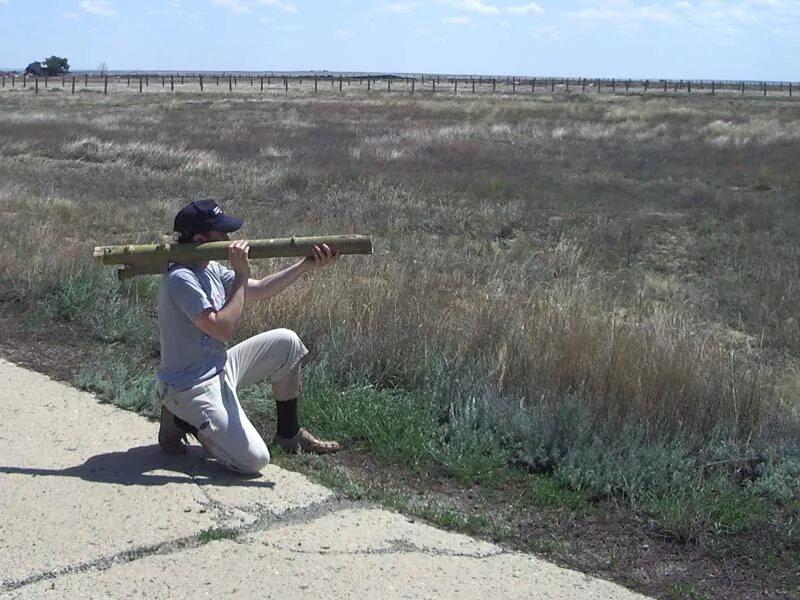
[[306, 442], [171, 438]]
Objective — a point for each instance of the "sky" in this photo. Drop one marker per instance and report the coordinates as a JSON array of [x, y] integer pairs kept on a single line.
[[676, 39]]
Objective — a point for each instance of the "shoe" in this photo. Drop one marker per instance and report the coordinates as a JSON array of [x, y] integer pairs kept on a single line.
[[306, 442], [171, 437]]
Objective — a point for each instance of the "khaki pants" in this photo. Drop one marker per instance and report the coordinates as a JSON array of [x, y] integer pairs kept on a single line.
[[213, 405]]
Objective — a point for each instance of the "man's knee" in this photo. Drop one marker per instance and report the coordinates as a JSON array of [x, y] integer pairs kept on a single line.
[[252, 462], [288, 341]]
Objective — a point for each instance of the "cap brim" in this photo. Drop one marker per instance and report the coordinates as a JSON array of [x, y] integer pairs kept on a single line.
[[226, 224]]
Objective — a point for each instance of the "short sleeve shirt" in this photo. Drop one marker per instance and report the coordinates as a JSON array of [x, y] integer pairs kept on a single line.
[[188, 355]]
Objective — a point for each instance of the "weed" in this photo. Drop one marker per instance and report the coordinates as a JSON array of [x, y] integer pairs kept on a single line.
[[214, 534]]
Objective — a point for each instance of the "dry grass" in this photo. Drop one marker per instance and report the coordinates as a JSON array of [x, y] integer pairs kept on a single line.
[[638, 252]]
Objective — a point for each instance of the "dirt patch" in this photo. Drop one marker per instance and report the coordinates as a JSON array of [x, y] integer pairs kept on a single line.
[[56, 352], [610, 541]]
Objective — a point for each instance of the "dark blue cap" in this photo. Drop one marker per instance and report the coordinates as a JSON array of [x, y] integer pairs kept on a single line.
[[201, 216]]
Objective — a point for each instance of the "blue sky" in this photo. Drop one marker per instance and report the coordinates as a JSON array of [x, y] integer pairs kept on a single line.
[[699, 39]]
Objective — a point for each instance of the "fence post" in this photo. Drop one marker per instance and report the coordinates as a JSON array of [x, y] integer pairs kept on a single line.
[[286, 84], [713, 88], [790, 90], [25, 80], [433, 84], [261, 82], [147, 80], [201, 82], [140, 84], [86, 80], [389, 85], [171, 83], [765, 88], [494, 84], [45, 81], [163, 81], [583, 84], [62, 81], [13, 80], [599, 86], [473, 85], [181, 79], [455, 86], [36, 84], [553, 85], [533, 86], [369, 83], [613, 86], [646, 84], [251, 81], [73, 84], [413, 85], [340, 83], [105, 85]]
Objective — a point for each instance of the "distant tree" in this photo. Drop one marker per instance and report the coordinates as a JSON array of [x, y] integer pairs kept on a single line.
[[103, 68], [35, 68], [55, 65]]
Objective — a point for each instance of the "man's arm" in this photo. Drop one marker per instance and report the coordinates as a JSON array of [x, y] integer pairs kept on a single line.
[[221, 325], [272, 285]]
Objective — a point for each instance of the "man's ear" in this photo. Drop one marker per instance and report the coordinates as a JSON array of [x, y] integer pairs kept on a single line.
[[198, 238]]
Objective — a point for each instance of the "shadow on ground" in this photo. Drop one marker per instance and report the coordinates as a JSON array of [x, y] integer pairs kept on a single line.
[[136, 466]]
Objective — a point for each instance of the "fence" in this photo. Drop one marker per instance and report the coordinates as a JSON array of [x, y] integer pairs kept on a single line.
[[416, 84]]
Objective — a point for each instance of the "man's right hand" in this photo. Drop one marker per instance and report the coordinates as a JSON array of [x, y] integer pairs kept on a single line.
[[238, 255]]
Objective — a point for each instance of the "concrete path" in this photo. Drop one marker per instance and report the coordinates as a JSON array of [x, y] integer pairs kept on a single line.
[[90, 508]]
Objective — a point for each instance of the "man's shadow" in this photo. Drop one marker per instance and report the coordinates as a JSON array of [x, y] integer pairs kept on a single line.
[[136, 465]]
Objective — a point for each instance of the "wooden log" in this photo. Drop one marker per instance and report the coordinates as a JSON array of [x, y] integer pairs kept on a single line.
[[153, 258]]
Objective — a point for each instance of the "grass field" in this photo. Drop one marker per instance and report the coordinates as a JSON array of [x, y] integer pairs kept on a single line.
[[586, 301]]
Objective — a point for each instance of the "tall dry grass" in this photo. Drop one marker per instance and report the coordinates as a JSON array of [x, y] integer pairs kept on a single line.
[[636, 253]]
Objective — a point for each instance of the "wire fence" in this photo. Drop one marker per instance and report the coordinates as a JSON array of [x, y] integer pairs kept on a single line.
[[411, 84]]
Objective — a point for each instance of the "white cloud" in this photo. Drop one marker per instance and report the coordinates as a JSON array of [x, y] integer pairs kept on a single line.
[[239, 6], [169, 9], [458, 21], [71, 16], [477, 6], [102, 8], [246, 6], [524, 9], [732, 16], [344, 34], [400, 7]]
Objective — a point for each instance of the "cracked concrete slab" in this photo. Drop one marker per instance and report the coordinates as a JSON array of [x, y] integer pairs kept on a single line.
[[373, 532], [90, 508], [82, 480], [348, 554]]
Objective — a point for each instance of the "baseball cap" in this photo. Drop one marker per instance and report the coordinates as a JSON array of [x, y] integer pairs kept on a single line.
[[200, 216]]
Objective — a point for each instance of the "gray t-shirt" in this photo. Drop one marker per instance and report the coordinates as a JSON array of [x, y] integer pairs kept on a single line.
[[189, 356]]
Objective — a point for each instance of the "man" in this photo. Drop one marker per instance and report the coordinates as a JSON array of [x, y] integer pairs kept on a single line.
[[199, 307]]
